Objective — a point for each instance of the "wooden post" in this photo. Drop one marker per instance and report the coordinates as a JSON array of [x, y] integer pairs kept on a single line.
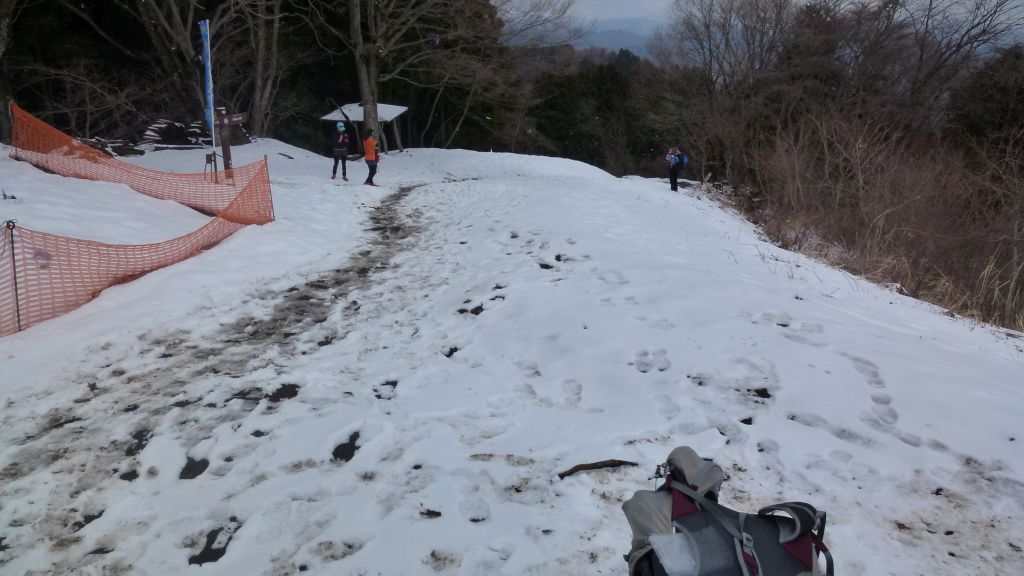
[[225, 145], [398, 137], [211, 162], [224, 123]]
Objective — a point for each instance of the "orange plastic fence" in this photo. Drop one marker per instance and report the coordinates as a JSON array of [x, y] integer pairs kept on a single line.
[[43, 275], [50, 149]]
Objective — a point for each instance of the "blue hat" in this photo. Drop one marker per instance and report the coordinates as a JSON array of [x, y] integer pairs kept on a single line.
[[341, 126]]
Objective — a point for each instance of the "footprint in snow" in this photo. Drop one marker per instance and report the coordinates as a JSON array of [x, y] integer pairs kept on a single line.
[[573, 393], [662, 324], [475, 509], [844, 434], [869, 370], [613, 278], [882, 409], [667, 407], [793, 331], [646, 361], [876, 422]]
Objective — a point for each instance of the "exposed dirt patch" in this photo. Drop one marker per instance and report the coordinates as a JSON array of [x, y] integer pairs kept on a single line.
[[284, 392], [85, 521], [217, 541], [346, 451], [139, 440], [193, 468], [385, 390]]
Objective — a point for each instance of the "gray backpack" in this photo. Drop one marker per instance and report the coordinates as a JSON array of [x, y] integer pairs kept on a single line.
[[680, 529]]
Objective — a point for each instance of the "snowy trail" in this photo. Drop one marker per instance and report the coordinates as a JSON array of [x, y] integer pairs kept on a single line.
[[177, 390], [403, 405]]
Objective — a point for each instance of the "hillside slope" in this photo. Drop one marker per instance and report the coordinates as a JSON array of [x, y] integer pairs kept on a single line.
[[388, 380]]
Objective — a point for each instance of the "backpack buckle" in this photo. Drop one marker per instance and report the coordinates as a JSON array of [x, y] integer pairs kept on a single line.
[[660, 471]]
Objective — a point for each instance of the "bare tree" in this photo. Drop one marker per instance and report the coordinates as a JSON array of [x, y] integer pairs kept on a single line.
[[249, 61], [947, 37], [90, 99], [403, 39], [9, 10], [6, 21], [262, 61], [729, 40], [172, 29]]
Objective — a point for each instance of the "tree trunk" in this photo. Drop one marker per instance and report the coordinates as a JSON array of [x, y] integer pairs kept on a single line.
[[465, 111], [6, 20], [258, 42], [264, 40], [366, 61], [185, 82], [6, 122]]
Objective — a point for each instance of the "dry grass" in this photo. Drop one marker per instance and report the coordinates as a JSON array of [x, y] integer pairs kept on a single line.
[[915, 214]]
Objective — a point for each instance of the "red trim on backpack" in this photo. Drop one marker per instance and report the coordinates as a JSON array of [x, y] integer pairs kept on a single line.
[[681, 503], [803, 548], [751, 563]]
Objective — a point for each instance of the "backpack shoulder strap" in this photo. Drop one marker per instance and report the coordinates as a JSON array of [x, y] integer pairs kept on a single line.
[[808, 522], [744, 542], [805, 519]]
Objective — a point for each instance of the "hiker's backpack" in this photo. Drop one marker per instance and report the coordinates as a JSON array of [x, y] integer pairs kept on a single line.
[[680, 529]]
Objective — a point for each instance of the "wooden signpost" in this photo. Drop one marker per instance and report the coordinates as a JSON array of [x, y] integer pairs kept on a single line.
[[224, 123]]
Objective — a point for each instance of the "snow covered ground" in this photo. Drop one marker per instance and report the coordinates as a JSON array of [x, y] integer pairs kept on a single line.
[[388, 381]]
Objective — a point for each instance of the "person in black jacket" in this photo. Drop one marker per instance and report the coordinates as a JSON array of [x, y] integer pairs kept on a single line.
[[339, 150]]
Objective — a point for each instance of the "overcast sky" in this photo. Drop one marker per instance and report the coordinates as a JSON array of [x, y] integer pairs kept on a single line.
[[611, 9]]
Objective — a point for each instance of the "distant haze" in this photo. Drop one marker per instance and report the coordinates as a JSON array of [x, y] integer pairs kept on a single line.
[[619, 24], [621, 9], [631, 34]]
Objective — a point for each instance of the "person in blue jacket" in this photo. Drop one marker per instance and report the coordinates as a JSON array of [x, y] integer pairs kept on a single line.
[[676, 161]]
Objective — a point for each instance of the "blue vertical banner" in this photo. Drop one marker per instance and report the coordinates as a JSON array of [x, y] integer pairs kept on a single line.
[[204, 33]]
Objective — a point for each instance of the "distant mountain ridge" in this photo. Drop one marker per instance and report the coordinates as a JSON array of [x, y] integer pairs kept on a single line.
[[621, 33]]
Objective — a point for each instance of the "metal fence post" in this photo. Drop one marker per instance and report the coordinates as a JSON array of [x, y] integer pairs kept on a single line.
[[14, 270]]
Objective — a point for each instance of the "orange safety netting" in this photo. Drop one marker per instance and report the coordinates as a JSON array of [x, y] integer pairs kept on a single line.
[[46, 147], [44, 275]]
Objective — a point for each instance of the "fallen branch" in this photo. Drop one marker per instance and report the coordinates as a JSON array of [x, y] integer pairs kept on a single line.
[[594, 466]]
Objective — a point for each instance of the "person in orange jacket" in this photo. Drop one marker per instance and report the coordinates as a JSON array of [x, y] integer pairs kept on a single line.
[[371, 156]]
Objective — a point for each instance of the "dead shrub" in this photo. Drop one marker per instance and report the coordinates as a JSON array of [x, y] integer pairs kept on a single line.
[[914, 213]]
